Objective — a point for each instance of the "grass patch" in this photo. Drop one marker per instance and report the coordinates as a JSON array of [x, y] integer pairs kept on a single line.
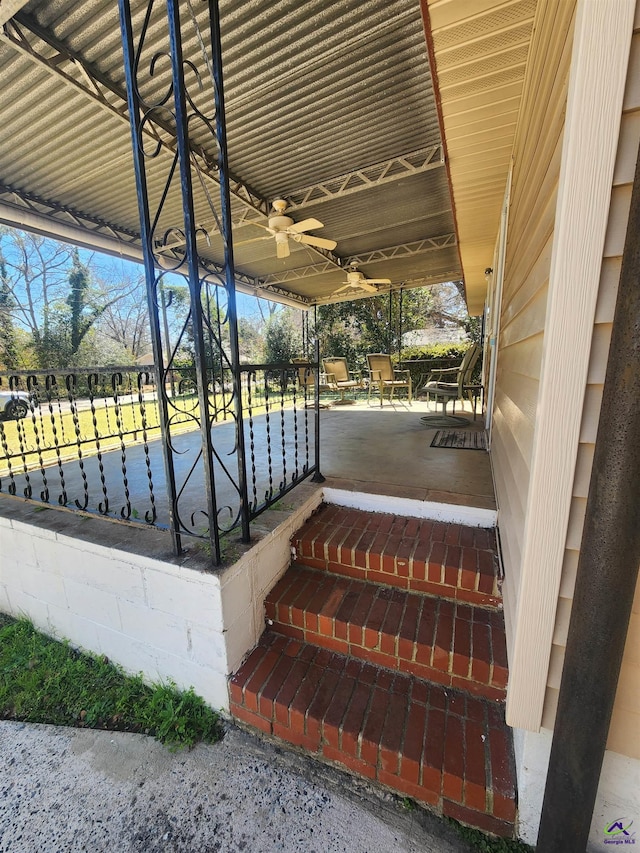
[[488, 844], [46, 681]]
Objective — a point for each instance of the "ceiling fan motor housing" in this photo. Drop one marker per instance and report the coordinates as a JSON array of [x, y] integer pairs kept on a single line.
[[280, 224]]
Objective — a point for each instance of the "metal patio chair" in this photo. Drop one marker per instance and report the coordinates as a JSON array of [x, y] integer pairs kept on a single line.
[[453, 383], [340, 378], [385, 377]]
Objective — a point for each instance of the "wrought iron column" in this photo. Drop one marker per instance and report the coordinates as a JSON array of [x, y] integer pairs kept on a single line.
[[195, 286], [317, 477], [225, 223], [162, 234], [136, 118]]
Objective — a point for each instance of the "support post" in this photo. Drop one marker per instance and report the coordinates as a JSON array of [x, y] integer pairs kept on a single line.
[[317, 477], [195, 285], [135, 118], [230, 284]]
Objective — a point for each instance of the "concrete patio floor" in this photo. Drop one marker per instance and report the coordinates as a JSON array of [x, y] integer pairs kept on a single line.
[[388, 451]]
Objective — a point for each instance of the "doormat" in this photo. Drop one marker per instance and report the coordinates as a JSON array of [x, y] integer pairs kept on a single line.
[[460, 439]]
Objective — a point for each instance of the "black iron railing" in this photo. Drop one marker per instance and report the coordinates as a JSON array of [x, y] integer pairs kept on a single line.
[[92, 439]]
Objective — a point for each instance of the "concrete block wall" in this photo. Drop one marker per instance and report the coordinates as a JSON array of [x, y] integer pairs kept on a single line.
[[245, 585], [147, 615]]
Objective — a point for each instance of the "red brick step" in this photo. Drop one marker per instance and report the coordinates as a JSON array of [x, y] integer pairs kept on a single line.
[[439, 640], [440, 746], [450, 560]]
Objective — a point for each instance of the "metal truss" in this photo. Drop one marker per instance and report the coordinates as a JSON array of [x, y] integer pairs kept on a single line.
[[65, 215], [265, 289], [124, 241], [297, 274], [394, 169], [404, 250], [75, 72]]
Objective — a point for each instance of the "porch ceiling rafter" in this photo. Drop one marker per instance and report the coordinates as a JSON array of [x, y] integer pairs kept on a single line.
[[394, 169], [417, 247]]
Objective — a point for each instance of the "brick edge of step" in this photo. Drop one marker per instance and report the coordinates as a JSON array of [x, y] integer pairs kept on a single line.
[[278, 698], [419, 555], [305, 605]]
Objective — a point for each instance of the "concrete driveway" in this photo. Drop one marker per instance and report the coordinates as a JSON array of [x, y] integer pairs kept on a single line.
[[78, 790]]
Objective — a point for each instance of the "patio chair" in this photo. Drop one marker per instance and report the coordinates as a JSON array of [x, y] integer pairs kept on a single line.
[[453, 383], [383, 376], [307, 379], [340, 378]]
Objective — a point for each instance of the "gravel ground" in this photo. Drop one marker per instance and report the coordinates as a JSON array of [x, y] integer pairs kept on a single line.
[[66, 790]]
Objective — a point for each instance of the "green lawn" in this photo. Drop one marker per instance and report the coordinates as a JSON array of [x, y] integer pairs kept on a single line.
[[45, 681]]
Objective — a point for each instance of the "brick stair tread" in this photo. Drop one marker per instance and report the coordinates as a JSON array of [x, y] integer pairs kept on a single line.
[[437, 639], [443, 747], [451, 560]]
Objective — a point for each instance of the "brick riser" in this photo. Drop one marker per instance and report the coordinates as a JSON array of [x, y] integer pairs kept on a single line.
[[447, 560], [436, 639], [442, 747], [386, 654]]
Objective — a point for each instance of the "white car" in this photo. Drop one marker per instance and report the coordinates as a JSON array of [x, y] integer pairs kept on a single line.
[[14, 404]]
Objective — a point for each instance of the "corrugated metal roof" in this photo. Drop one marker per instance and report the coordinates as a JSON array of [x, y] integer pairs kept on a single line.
[[313, 91]]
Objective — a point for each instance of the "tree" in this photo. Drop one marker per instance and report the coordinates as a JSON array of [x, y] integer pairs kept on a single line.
[[81, 319], [375, 324], [48, 291], [36, 272], [125, 322], [8, 343], [282, 340], [250, 340]]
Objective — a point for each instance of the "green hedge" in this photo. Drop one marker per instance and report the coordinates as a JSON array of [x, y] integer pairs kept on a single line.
[[442, 355]]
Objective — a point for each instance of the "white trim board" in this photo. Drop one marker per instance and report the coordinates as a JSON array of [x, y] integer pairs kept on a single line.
[[450, 513]]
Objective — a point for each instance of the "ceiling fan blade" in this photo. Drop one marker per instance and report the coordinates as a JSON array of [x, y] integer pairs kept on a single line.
[[305, 225], [283, 250], [320, 242]]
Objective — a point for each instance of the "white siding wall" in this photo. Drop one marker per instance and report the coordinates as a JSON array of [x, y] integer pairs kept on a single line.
[[536, 171]]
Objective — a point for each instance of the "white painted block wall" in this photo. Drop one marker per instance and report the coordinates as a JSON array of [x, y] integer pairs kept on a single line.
[[165, 621], [149, 616]]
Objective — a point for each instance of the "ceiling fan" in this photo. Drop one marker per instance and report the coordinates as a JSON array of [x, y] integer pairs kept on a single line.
[[283, 228], [357, 280]]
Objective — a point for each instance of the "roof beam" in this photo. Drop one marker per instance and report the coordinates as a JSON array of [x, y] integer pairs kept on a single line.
[[358, 180], [97, 86], [404, 250]]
